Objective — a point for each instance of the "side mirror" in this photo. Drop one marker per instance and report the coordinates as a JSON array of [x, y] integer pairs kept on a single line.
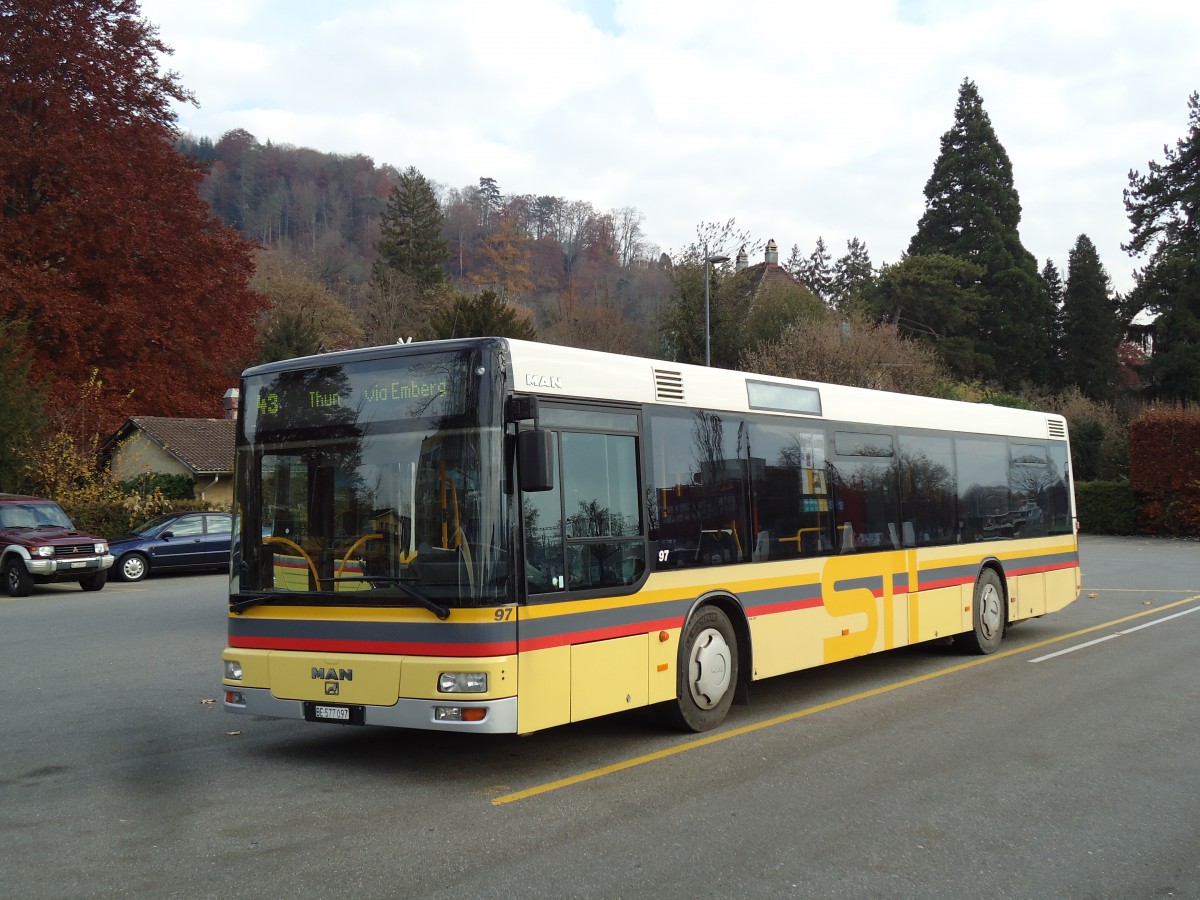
[[535, 459]]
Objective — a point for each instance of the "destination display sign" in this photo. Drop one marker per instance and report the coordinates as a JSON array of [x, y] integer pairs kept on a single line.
[[357, 393]]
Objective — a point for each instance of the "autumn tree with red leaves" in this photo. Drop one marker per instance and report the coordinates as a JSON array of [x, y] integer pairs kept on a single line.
[[107, 251]]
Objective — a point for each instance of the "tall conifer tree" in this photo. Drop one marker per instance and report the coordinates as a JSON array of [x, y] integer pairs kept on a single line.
[[817, 273], [1162, 207], [853, 276], [1091, 325], [1052, 285], [411, 239], [972, 211]]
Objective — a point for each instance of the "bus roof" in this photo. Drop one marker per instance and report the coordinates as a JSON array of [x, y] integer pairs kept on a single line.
[[553, 371]]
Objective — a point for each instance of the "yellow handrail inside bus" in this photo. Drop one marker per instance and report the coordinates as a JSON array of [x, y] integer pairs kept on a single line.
[[445, 479], [362, 540], [312, 567]]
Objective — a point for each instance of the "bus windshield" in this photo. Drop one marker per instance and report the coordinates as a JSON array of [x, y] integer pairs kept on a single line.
[[372, 482]]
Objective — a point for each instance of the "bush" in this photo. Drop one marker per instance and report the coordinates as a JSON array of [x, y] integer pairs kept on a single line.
[[1099, 437], [172, 487], [110, 518], [1106, 507], [104, 519]]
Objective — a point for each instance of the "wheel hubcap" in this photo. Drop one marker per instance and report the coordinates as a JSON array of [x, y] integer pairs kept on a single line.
[[710, 668], [991, 612], [133, 568]]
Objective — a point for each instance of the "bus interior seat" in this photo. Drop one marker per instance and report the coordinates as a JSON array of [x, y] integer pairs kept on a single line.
[[762, 547]]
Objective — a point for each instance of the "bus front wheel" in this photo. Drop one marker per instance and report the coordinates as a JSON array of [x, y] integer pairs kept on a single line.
[[987, 615], [707, 672]]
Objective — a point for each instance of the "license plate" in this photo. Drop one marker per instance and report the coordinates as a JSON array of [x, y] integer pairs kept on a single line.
[[346, 714], [332, 713], [78, 565]]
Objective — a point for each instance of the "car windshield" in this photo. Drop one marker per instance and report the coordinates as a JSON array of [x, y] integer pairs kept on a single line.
[[372, 482], [33, 515], [154, 526]]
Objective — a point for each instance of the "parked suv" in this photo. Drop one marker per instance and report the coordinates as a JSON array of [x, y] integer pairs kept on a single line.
[[40, 545]]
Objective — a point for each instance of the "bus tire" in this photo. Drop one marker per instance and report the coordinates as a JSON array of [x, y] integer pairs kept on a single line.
[[987, 615], [707, 672]]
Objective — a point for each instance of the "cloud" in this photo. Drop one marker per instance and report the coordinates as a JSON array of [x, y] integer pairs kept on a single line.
[[797, 119]]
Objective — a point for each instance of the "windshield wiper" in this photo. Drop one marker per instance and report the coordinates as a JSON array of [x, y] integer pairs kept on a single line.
[[442, 612], [245, 603]]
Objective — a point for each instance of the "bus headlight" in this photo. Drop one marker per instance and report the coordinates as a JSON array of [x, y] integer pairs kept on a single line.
[[462, 683], [233, 670]]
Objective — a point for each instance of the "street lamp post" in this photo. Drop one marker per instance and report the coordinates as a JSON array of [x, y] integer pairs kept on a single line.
[[709, 261]]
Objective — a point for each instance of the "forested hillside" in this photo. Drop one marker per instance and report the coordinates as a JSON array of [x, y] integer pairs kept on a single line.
[[561, 261]]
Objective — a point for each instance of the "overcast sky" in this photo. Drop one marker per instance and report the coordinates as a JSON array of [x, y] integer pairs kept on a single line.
[[797, 119]]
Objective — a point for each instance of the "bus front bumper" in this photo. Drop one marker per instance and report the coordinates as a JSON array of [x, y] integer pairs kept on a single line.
[[500, 715]]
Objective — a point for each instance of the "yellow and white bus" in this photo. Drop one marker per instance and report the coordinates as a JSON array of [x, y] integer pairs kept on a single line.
[[501, 536]]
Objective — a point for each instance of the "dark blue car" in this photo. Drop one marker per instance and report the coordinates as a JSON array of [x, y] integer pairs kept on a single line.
[[174, 542]]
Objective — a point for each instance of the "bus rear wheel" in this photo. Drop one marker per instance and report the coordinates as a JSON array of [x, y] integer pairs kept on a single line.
[[987, 615], [708, 672]]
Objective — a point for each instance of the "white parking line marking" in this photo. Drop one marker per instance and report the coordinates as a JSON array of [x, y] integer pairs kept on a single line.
[[1109, 637]]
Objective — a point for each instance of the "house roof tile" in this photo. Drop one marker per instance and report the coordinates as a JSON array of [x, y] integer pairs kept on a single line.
[[203, 445]]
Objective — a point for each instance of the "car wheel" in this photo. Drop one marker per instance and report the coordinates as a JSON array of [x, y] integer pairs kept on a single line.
[[17, 580], [133, 567], [708, 672], [94, 582]]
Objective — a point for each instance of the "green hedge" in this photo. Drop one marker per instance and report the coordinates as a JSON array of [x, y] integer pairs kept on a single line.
[[1106, 507], [172, 487]]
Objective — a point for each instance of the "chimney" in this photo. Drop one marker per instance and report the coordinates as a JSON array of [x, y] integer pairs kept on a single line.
[[772, 256], [230, 402], [742, 260]]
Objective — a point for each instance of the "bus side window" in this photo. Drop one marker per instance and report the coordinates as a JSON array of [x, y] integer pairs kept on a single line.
[[927, 494], [865, 492]]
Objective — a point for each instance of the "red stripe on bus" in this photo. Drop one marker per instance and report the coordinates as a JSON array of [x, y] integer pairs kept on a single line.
[[942, 583], [1034, 570], [785, 606], [388, 648], [598, 634]]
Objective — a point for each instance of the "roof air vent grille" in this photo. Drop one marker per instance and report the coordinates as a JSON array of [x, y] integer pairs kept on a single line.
[[668, 386]]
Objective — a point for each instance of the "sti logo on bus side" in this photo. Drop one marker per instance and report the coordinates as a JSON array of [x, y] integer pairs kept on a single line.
[[332, 674], [543, 381]]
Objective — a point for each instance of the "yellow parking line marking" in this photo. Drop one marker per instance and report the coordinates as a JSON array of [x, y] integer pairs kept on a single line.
[[705, 741]]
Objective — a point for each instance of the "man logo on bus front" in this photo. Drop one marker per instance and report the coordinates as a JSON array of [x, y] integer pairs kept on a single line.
[[331, 687]]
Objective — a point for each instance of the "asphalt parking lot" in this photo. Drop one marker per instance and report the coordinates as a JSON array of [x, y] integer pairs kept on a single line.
[[1067, 765]]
